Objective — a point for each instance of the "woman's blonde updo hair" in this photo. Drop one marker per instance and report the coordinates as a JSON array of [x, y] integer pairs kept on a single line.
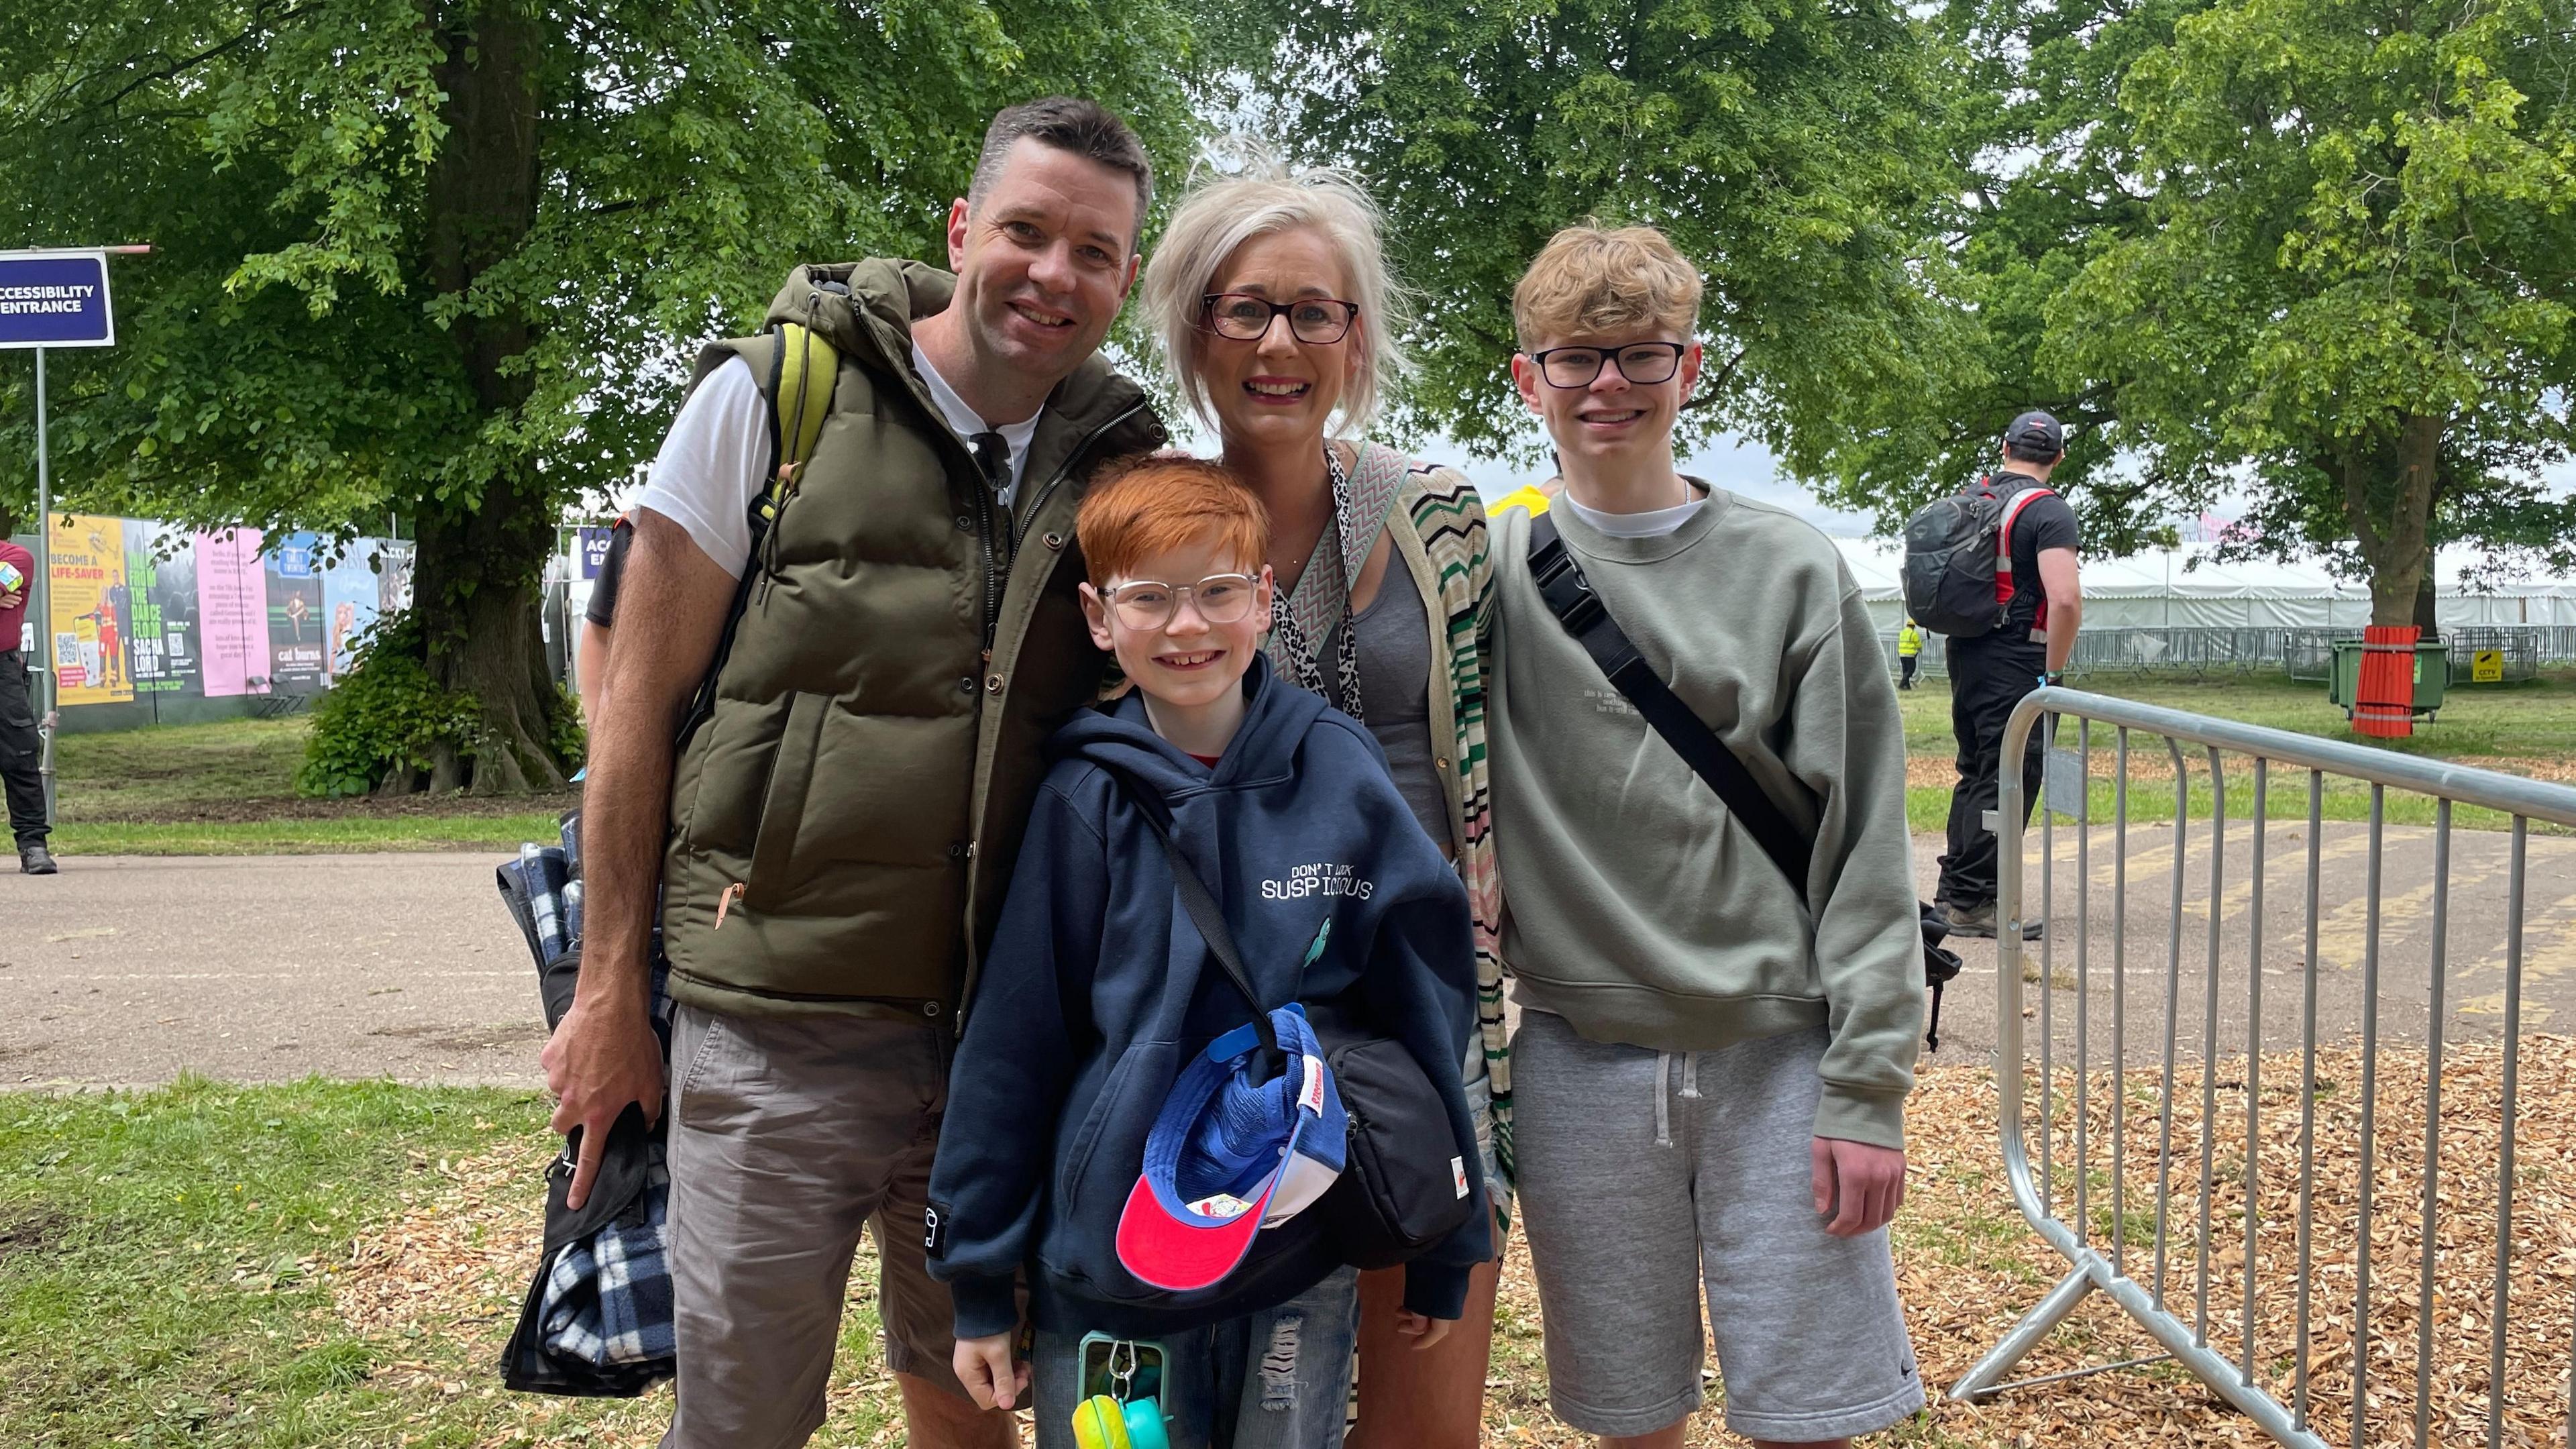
[[1224, 209]]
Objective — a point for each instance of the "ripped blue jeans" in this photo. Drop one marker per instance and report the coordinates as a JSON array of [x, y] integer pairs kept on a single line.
[[1276, 1379]]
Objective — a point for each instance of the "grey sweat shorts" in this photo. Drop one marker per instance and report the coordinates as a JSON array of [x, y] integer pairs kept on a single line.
[[1644, 1174]]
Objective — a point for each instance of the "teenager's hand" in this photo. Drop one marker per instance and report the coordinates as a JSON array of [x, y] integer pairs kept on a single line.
[[1423, 1329], [1859, 1184], [602, 1056], [985, 1367]]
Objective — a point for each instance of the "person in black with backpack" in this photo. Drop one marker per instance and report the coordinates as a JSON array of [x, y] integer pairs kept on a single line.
[[2040, 607]]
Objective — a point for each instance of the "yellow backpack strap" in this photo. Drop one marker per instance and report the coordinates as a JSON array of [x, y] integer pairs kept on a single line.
[[802, 370]]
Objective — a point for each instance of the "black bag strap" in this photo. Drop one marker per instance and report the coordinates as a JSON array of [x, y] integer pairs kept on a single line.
[[1210, 919], [1570, 598]]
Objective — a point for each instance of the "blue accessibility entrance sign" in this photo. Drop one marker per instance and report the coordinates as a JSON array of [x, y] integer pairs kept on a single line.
[[55, 299]]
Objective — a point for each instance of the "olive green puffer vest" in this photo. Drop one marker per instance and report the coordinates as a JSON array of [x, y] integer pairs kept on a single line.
[[844, 818]]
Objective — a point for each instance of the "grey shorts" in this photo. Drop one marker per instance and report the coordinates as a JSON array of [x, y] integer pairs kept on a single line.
[[1644, 1174], [788, 1134]]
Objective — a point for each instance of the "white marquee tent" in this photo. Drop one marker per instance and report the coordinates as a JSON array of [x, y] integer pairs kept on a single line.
[[2188, 588]]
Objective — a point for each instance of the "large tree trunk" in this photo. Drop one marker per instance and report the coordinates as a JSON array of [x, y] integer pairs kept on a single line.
[[476, 579], [2392, 521]]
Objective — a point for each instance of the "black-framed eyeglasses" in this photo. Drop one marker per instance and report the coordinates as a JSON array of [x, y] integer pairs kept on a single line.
[[1246, 318], [1150, 603], [1643, 363]]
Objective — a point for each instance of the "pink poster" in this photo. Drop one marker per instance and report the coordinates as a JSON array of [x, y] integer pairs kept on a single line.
[[232, 610]]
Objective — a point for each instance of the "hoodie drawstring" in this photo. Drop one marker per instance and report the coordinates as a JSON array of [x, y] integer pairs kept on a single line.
[[1663, 1082]]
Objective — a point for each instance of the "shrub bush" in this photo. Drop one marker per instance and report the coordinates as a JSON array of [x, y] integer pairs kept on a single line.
[[384, 714]]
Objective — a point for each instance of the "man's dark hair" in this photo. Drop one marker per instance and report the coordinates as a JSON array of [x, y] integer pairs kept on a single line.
[[1068, 123], [2031, 453], [8, 520]]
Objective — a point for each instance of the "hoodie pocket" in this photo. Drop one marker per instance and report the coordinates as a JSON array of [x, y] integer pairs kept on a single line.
[[1113, 1132], [782, 807]]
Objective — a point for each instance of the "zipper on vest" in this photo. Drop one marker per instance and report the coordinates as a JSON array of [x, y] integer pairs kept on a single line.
[[992, 573], [1037, 505]]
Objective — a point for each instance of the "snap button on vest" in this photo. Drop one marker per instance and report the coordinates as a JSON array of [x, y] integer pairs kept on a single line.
[[992, 684], [965, 524], [1055, 541], [966, 685]]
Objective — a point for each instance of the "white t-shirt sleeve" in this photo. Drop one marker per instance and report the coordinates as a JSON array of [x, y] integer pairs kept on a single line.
[[711, 464]]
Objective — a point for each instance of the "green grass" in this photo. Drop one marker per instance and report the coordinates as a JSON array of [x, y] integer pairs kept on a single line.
[[120, 775], [306, 837], [169, 1259], [228, 788]]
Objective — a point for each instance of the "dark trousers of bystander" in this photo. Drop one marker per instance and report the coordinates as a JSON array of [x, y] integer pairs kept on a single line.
[[20, 751], [1988, 677], [1905, 671]]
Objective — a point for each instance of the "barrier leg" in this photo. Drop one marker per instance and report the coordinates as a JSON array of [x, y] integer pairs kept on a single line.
[[2025, 1336]]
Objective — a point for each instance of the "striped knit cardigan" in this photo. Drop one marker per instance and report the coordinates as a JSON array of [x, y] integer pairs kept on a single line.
[[1449, 524]]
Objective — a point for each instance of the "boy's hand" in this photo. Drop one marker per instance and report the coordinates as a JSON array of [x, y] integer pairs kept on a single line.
[[1421, 1328], [1861, 1185], [986, 1368]]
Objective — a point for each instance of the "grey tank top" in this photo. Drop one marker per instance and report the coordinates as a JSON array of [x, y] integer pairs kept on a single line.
[[1394, 640]]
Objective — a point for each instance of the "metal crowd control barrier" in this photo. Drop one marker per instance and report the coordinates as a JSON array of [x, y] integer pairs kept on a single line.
[[2468, 1211]]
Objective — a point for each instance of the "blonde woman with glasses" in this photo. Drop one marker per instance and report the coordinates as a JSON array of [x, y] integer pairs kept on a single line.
[[1271, 293]]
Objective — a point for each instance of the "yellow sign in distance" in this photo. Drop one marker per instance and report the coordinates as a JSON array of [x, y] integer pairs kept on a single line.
[[2486, 666]]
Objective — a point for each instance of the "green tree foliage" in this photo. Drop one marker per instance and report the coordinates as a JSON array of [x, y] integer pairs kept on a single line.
[[2316, 250], [1780, 142], [448, 259]]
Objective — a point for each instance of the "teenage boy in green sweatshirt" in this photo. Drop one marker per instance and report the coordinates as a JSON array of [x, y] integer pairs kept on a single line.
[[1709, 1078]]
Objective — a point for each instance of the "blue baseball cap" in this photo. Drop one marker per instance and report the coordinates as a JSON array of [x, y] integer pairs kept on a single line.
[[1230, 1155]]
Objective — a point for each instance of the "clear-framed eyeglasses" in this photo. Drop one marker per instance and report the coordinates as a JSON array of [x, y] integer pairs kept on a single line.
[[1246, 318], [1642, 363], [1144, 604]]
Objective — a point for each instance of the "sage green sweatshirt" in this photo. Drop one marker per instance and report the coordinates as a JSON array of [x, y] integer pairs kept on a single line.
[[1634, 905]]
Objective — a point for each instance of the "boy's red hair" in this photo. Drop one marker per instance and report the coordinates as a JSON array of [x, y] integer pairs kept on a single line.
[[1166, 501]]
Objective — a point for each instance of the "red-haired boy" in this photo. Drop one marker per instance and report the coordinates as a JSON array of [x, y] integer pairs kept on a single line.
[[1099, 995]]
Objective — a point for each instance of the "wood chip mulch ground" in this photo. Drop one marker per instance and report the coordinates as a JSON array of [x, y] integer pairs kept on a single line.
[[436, 1291]]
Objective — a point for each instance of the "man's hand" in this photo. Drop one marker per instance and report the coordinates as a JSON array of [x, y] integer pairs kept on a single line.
[[1422, 1329], [601, 1057], [1859, 1184], [986, 1368]]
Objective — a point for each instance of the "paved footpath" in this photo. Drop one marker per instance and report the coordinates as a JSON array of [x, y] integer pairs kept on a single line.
[[261, 968], [131, 970]]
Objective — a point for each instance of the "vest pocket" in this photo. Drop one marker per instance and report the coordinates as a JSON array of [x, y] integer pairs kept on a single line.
[[782, 809], [722, 802]]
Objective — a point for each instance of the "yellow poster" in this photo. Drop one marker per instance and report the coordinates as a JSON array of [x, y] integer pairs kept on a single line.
[[2486, 666], [89, 605]]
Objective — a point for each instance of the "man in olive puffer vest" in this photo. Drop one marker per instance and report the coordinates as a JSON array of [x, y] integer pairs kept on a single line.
[[833, 835]]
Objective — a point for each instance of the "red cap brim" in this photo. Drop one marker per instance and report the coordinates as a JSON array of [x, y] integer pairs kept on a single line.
[[1177, 1256]]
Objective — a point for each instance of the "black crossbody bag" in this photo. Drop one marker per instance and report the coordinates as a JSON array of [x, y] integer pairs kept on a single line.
[[1569, 596], [1405, 1185]]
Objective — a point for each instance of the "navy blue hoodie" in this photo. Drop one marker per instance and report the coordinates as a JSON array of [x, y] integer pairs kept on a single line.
[[1098, 990]]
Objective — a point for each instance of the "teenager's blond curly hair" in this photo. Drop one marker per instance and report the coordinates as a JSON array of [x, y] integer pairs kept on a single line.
[[1607, 283]]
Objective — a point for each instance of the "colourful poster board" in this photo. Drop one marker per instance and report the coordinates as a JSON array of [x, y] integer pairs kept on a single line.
[[161, 585], [90, 606], [297, 633], [352, 598], [232, 613]]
